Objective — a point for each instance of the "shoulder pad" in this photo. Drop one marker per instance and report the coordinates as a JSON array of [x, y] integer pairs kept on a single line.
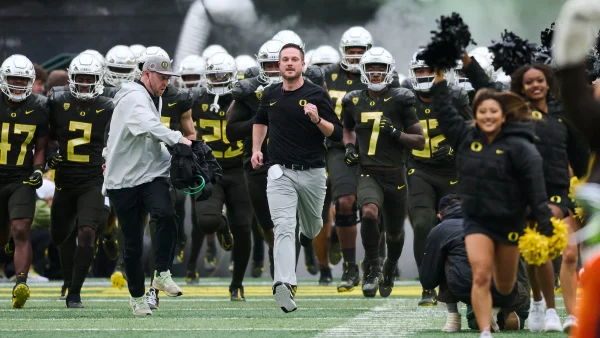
[[350, 95], [105, 102], [406, 83], [251, 72], [403, 95], [315, 74], [244, 88], [332, 68], [459, 95]]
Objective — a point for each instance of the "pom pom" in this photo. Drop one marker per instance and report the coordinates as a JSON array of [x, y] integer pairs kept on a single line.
[[575, 183], [511, 52], [534, 247], [447, 44], [547, 35], [579, 214], [558, 242]]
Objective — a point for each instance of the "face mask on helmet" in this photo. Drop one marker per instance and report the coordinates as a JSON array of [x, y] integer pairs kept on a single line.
[[16, 77], [85, 86], [116, 76], [353, 44], [17, 88], [376, 75], [460, 78], [219, 83]]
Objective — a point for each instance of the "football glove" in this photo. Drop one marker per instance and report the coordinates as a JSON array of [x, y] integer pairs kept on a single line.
[[351, 157], [36, 179], [386, 126], [54, 160], [443, 152]]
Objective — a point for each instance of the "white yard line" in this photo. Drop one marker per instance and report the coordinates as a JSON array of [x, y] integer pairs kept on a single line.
[[158, 329]]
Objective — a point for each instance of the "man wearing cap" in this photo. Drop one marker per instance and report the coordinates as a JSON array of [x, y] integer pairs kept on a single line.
[[136, 177]]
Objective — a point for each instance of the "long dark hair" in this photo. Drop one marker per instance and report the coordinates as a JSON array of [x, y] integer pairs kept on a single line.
[[516, 83], [513, 106]]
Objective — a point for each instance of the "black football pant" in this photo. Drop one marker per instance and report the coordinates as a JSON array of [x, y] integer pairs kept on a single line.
[[131, 206]]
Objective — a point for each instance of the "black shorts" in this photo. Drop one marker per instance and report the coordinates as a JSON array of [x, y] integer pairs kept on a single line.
[[426, 188], [509, 236], [17, 201], [84, 204], [230, 191], [560, 197], [387, 190], [341, 176]]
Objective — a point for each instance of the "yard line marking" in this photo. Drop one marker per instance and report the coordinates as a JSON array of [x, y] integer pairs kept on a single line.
[[162, 329]]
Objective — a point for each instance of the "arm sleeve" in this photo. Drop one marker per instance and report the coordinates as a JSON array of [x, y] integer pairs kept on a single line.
[[239, 122], [325, 109], [139, 119], [477, 76], [431, 271], [454, 126]]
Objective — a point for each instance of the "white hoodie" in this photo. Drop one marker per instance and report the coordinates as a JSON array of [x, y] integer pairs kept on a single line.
[[134, 152]]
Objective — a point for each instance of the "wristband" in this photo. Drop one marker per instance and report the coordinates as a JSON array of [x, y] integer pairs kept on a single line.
[[319, 120]]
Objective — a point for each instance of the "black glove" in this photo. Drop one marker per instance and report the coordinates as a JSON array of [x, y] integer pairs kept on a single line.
[[54, 160], [443, 152], [36, 179], [545, 228], [351, 155], [386, 126]]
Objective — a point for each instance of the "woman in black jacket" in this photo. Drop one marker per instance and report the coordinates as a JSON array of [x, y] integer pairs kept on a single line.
[[498, 169], [559, 144]]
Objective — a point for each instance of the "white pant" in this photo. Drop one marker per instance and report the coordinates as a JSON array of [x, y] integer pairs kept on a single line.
[[290, 192]]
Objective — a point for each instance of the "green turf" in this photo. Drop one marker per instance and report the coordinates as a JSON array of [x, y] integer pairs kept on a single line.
[[215, 316]]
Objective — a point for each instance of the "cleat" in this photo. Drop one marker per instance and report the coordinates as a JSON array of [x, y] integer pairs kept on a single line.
[[570, 324], [63, 292], [210, 262], [310, 261], [397, 273], [371, 280], [552, 322], [20, 295], [428, 298], [140, 306], [350, 277], [237, 294], [192, 277], [110, 245], [257, 269], [453, 323], [326, 277], [118, 280], [283, 294], [224, 236], [335, 250], [73, 301], [387, 281], [9, 248], [165, 283], [152, 299]]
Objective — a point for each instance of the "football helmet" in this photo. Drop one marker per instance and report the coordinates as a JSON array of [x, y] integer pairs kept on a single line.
[[354, 37], [220, 74], [243, 62], [121, 66], [307, 56], [212, 50], [268, 53], [419, 83], [380, 56], [87, 64], [192, 65], [97, 54], [288, 36], [151, 51], [459, 78], [325, 55], [17, 65], [137, 50]]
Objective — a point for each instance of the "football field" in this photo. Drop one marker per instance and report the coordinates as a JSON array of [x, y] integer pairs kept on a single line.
[[206, 311]]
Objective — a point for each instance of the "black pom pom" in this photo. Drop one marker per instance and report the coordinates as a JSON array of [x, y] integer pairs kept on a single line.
[[546, 36], [447, 44], [511, 52], [592, 62]]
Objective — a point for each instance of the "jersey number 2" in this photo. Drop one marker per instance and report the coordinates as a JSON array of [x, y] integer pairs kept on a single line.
[[85, 139], [5, 146], [430, 143]]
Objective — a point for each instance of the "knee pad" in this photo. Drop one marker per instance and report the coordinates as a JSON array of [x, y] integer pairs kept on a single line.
[[345, 220], [423, 219], [86, 236], [209, 223], [394, 235]]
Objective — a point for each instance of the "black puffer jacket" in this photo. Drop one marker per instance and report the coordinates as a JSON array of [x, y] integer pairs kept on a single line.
[[497, 181]]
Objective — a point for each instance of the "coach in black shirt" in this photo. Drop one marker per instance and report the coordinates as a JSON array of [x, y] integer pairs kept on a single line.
[[298, 115]]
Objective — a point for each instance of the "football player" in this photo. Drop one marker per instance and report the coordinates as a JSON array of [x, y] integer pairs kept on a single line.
[[384, 123], [209, 111], [78, 119], [432, 170], [192, 71], [325, 56], [121, 67], [24, 125], [212, 50]]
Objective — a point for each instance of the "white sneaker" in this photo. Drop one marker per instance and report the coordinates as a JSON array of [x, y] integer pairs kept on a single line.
[[140, 306], [165, 283], [282, 292], [485, 334], [570, 323], [152, 299], [536, 316], [552, 321], [452, 322]]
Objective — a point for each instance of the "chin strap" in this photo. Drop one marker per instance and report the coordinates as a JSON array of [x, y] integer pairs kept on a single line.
[[214, 107]]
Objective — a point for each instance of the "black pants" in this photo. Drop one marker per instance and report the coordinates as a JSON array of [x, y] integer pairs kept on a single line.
[[131, 206]]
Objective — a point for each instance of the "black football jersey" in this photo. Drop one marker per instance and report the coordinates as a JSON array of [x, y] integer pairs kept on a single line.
[[79, 128], [212, 129], [20, 127], [434, 136], [175, 102], [363, 114], [339, 83]]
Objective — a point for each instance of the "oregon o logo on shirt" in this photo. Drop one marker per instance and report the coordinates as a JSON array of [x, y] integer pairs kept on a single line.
[[82, 113], [221, 113], [476, 146], [427, 111], [513, 236], [411, 171], [536, 114], [302, 102], [555, 199]]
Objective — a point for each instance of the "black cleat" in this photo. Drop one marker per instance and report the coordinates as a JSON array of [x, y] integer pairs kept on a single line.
[[257, 269], [63, 292], [387, 281], [428, 298], [371, 280], [74, 301], [350, 277], [335, 250], [310, 261], [326, 277], [237, 294], [192, 277]]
